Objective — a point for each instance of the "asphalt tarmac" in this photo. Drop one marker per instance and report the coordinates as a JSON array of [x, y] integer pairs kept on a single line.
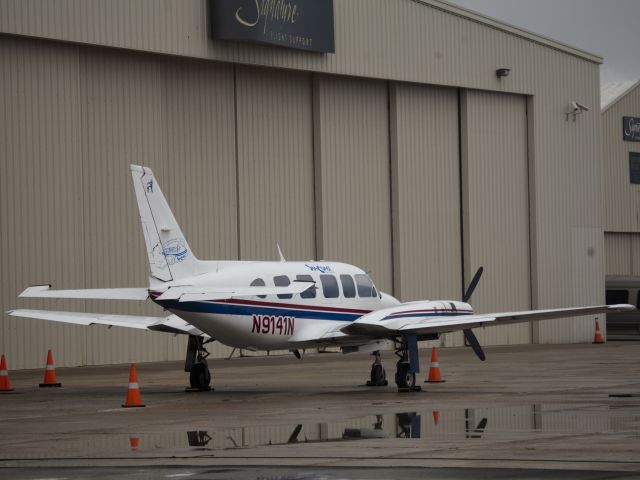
[[531, 411]]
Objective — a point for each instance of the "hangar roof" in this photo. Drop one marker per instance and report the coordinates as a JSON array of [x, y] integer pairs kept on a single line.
[[513, 29], [611, 92]]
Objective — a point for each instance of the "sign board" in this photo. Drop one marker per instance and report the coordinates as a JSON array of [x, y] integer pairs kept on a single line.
[[631, 129], [301, 24], [634, 167]]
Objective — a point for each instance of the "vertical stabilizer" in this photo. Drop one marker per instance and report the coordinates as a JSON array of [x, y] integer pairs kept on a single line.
[[170, 257]]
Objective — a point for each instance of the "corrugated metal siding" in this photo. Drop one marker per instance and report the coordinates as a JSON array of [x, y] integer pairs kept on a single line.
[[621, 197], [393, 39], [623, 253], [566, 189], [426, 194], [41, 166], [496, 208], [351, 127], [92, 113], [275, 164]]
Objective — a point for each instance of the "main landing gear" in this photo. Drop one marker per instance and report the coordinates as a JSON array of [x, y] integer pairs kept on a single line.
[[407, 352], [406, 348], [196, 365]]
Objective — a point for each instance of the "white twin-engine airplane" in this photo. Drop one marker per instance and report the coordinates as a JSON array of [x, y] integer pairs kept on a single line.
[[277, 305]]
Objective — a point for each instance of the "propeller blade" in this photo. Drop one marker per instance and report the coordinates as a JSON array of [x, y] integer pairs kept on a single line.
[[472, 286], [293, 438], [473, 341]]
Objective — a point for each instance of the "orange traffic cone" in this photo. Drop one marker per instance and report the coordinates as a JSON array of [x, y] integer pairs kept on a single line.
[[598, 336], [133, 392], [5, 385], [50, 379], [436, 416], [134, 441], [434, 369]]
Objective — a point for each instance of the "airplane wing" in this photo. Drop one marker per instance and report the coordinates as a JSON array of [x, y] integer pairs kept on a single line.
[[406, 319], [185, 293], [43, 291], [189, 293], [169, 324]]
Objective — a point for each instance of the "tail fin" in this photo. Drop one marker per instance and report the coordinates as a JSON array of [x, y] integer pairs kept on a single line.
[[170, 257]]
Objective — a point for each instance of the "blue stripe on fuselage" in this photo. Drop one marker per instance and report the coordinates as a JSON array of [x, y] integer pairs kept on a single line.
[[233, 309]]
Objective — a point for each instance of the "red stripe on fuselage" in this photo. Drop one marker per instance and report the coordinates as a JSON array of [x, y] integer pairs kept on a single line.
[[290, 306]]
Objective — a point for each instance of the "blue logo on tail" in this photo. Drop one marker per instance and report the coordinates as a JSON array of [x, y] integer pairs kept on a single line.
[[175, 251]]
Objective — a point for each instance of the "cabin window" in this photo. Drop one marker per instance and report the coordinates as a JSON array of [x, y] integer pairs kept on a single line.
[[258, 282], [329, 286], [348, 286], [365, 286], [453, 306], [309, 292], [282, 281], [614, 297]]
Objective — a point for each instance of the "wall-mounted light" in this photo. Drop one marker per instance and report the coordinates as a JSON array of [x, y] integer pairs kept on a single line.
[[576, 109], [503, 72]]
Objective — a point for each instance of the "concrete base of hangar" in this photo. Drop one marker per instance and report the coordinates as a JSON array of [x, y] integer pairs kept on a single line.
[[533, 407]]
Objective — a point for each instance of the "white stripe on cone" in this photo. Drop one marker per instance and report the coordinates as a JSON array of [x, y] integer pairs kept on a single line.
[[133, 386]]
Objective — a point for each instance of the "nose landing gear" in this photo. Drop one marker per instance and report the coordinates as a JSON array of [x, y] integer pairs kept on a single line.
[[378, 375]]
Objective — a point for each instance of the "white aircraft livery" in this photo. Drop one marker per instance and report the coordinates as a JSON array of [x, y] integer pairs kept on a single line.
[[277, 305]]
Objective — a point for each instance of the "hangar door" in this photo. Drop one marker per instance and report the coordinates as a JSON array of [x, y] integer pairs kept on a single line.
[[351, 154], [495, 206], [425, 165]]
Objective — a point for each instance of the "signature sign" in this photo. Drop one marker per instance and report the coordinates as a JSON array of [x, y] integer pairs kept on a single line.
[[299, 24], [631, 129]]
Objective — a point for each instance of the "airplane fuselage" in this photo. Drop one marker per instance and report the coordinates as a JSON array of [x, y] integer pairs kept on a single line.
[[342, 294]]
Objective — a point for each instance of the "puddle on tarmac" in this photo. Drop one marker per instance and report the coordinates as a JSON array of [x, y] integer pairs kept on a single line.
[[471, 424], [463, 425]]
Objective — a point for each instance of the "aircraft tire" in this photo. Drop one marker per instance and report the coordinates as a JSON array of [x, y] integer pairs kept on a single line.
[[199, 376], [405, 378]]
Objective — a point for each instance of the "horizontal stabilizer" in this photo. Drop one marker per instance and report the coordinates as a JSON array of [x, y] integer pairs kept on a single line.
[[197, 294], [43, 291], [170, 324]]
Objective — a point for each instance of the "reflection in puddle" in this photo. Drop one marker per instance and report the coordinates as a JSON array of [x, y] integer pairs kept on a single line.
[[519, 422], [478, 423]]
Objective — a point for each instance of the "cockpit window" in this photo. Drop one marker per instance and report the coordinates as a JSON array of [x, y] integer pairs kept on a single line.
[[365, 286], [309, 292], [348, 287], [282, 281], [258, 282], [329, 286]]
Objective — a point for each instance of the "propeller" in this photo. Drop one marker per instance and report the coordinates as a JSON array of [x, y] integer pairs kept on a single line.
[[472, 286], [468, 333]]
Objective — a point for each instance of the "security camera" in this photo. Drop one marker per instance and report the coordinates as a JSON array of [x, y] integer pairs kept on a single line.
[[578, 107]]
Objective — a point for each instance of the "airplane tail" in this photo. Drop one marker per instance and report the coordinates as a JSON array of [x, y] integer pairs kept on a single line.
[[170, 257]]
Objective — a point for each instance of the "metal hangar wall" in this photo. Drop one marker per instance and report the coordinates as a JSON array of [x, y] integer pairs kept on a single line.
[[621, 186], [402, 152]]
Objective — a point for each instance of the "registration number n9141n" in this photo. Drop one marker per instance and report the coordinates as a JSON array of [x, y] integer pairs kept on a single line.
[[273, 325]]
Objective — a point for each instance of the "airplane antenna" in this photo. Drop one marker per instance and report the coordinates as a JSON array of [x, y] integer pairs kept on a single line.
[[282, 259]]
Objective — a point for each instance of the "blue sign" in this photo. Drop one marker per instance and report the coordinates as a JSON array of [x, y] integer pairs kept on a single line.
[[631, 129], [299, 24]]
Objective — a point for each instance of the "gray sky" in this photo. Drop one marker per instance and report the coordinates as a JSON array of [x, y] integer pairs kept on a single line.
[[609, 28]]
